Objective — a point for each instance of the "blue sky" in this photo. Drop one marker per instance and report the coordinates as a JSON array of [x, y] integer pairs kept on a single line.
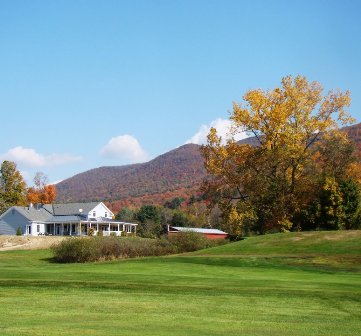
[[90, 83]]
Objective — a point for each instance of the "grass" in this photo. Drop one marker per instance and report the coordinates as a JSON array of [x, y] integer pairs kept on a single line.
[[299, 284]]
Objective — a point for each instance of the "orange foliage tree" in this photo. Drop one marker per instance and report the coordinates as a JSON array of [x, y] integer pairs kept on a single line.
[[42, 192]]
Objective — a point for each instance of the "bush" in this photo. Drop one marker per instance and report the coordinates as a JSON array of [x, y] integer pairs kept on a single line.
[[19, 232], [77, 250], [192, 241], [107, 248], [87, 249]]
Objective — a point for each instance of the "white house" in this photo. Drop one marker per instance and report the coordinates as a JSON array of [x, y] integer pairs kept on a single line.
[[73, 219]]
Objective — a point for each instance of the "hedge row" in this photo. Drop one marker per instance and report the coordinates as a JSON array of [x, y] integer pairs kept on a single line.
[[88, 249]]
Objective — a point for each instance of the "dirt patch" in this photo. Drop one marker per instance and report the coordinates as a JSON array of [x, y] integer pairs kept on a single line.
[[297, 238], [342, 235], [8, 243]]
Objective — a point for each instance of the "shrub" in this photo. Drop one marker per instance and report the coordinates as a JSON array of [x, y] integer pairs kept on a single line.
[[192, 241], [87, 249], [19, 232], [107, 248], [76, 250]]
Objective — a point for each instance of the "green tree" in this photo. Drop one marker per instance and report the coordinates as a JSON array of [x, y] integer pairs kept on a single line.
[[180, 219], [148, 212], [12, 186], [150, 221], [351, 203], [175, 203], [125, 214]]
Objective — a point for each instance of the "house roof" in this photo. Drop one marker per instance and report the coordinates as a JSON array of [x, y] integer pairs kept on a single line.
[[32, 213], [198, 230], [63, 219], [73, 208], [57, 212]]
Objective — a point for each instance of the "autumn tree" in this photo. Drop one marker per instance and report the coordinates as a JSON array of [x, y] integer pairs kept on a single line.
[[42, 192], [271, 182], [12, 186]]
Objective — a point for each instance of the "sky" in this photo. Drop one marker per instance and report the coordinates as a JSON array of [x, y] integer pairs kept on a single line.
[[90, 83]]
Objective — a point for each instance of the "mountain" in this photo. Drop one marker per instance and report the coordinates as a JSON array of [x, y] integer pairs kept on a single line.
[[177, 173], [174, 174]]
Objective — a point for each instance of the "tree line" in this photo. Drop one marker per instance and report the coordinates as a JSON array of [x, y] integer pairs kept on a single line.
[[153, 220]]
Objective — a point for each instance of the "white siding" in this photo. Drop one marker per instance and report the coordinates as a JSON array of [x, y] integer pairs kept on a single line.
[[34, 228], [100, 211]]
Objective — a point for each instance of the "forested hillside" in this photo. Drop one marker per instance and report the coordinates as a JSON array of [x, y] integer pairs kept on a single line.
[[177, 173]]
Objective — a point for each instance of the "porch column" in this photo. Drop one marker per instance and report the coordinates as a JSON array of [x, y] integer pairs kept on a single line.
[[109, 227], [97, 227], [62, 229]]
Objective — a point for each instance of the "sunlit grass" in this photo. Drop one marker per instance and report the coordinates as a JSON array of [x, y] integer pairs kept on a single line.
[[217, 292]]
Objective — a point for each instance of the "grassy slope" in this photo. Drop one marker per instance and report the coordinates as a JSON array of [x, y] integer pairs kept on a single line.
[[245, 288], [308, 243]]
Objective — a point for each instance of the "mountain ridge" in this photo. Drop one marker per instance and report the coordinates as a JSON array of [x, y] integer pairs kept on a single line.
[[177, 173], [179, 170]]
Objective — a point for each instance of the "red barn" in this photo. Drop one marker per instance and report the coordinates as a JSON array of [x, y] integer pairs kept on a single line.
[[208, 233]]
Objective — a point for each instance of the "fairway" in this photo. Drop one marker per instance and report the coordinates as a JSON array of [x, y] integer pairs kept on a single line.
[[307, 284]]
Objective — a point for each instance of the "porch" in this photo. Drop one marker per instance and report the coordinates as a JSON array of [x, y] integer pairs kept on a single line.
[[86, 228]]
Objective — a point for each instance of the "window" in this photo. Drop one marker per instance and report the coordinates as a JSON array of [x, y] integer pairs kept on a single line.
[[94, 214], [106, 214], [38, 228]]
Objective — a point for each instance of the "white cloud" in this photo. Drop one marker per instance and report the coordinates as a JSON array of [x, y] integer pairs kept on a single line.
[[124, 147], [29, 158], [223, 127]]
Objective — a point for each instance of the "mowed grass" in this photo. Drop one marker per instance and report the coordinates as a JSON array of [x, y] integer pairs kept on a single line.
[[281, 284]]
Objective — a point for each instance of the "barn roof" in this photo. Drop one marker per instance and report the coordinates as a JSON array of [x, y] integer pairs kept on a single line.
[[198, 230]]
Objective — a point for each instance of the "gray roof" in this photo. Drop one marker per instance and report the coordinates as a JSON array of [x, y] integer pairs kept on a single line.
[[198, 230], [33, 214], [48, 207], [61, 213], [73, 208], [64, 219]]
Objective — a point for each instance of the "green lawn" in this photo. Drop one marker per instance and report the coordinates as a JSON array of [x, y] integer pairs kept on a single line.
[[282, 284]]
